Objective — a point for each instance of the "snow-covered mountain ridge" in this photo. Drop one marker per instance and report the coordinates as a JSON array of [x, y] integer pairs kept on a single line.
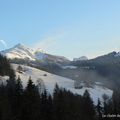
[[20, 51]]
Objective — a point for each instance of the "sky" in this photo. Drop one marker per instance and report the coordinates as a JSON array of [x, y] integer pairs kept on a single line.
[[70, 28]]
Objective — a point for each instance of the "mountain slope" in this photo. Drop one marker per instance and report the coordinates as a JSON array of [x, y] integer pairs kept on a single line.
[[106, 66], [50, 80]]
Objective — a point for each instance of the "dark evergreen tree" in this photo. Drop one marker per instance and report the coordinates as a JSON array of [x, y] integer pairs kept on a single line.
[[11, 83], [57, 100], [5, 68], [50, 108], [116, 101], [18, 99], [88, 107], [31, 106], [46, 106], [19, 87], [99, 110], [105, 108]]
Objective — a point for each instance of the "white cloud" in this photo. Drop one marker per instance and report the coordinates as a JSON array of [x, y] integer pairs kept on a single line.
[[3, 43], [49, 42], [45, 44]]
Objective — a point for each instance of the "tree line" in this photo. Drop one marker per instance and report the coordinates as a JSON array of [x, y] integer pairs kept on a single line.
[[18, 103]]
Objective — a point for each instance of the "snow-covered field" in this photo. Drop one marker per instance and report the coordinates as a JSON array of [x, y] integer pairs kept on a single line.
[[50, 80]]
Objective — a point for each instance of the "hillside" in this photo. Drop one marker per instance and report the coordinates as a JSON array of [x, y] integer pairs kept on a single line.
[[107, 67], [50, 80]]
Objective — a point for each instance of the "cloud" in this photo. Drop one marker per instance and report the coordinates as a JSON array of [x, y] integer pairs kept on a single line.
[[45, 43], [49, 42], [3, 43]]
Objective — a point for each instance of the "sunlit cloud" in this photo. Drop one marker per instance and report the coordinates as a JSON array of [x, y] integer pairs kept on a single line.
[[46, 43], [49, 42]]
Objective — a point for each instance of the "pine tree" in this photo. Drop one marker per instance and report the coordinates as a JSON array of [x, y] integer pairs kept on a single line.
[[57, 103], [11, 83], [56, 90], [31, 106], [116, 101], [50, 108], [19, 87], [18, 99], [105, 108], [45, 106], [88, 107], [99, 110]]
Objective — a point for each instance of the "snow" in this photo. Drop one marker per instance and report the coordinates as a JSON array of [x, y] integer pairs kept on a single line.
[[80, 58], [39, 55], [117, 54], [50, 80], [69, 67], [20, 51], [3, 78], [95, 92], [98, 83]]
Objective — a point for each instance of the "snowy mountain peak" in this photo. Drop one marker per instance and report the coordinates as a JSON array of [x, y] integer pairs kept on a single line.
[[21, 51], [23, 47]]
